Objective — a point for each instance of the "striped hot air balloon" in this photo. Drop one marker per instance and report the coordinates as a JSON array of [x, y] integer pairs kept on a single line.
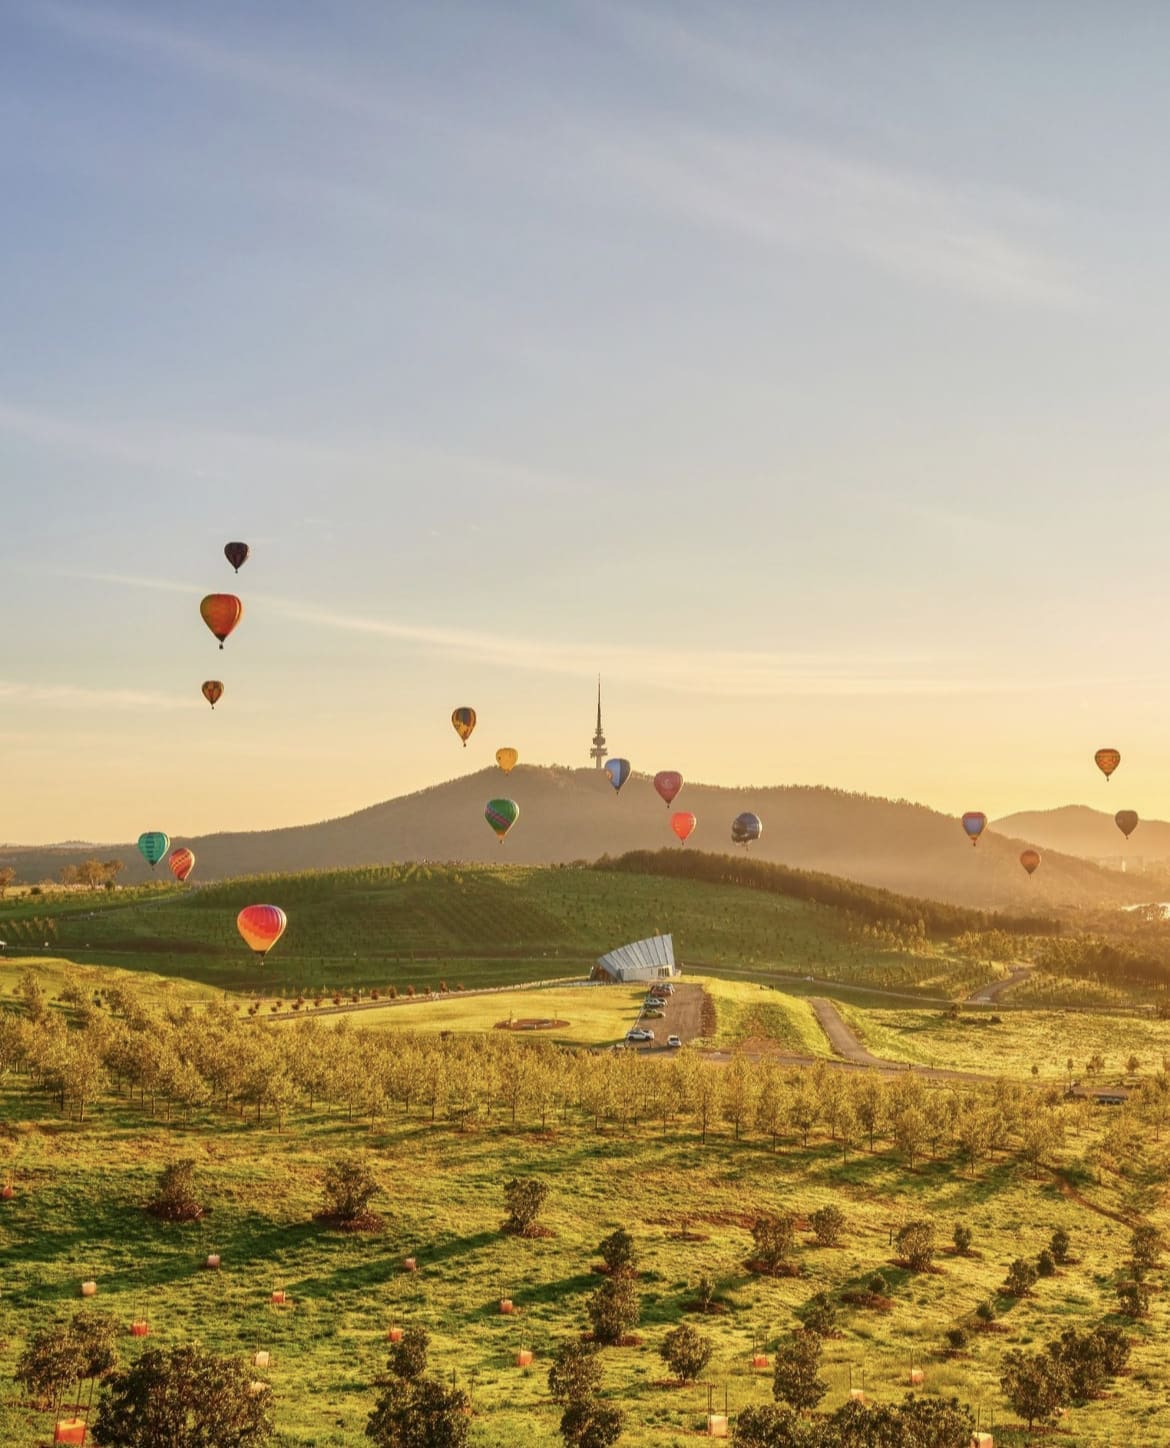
[[1107, 761], [618, 771], [153, 845], [501, 814], [221, 612], [463, 722], [261, 926], [182, 862], [212, 691]]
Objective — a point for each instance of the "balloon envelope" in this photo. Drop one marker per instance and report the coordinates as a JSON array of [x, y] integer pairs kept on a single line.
[[221, 612], [618, 771], [182, 862], [261, 926], [212, 691], [236, 554], [745, 828], [683, 824], [1107, 760], [501, 814], [153, 845], [974, 823], [1030, 860], [1126, 821], [463, 722], [507, 759], [668, 782]]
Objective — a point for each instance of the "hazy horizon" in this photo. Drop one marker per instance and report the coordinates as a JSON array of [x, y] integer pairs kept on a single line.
[[803, 378]]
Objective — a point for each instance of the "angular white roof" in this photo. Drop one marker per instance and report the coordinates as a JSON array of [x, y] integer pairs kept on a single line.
[[642, 959]]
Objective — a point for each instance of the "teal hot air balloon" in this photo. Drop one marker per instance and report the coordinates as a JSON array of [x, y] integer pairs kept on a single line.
[[153, 845], [501, 814], [618, 771], [746, 828]]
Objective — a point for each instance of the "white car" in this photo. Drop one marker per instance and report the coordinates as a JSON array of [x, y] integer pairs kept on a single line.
[[673, 1041], [640, 1033]]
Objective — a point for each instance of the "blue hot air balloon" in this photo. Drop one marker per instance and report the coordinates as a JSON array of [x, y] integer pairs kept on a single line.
[[618, 771], [746, 828], [975, 822]]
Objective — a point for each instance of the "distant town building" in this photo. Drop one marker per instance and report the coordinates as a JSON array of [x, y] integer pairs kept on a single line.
[[651, 959], [599, 752]]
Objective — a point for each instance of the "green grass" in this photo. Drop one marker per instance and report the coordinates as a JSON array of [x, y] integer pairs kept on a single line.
[[745, 1012], [78, 1211]]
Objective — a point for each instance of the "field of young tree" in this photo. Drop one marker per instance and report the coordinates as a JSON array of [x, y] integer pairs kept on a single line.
[[938, 1256]]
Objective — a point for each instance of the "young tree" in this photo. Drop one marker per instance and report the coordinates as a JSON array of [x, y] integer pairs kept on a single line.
[[349, 1186], [1133, 1298], [794, 1378], [524, 1197], [408, 1356], [1145, 1246], [1021, 1278], [910, 1134], [7, 876], [613, 1310], [1059, 1245], [591, 1424], [962, 1237], [828, 1224], [575, 1375], [176, 1198], [685, 1352], [771, 1427], [915, 1244], [618, 1254], [1034, 1384], [1046, 1264], [185, 1397], [419, 1413], [820, 1315], [86, 1346], [775, 1237]]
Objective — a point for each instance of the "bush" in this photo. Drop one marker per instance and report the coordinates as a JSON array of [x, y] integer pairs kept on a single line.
[[962, 1237], [685, 1352], [956, 1339], [1059, 1245], [613, 1310], [794, 1378], [877, 1286], [1133, 1298], [419, 1412], [1145, 1249], [590, 1424], [828, 1223], [1021, 1278], [1046, 1264], [986, 1312], [1034, 1384], [348, 1188], [915, 1243], [575, 1375], [185, 1397], [774, 1237], [617, 1252], [524, 1197], [408, 1356], [66, 1353], [175, 1197], [820, 1315]]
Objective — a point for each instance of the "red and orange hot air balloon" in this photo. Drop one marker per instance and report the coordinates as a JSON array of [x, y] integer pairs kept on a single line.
[[1030, 860], [261, 926], [668, 782], [182, 862], [683, 823], [212, 691], [221, 612], [1107, 761]]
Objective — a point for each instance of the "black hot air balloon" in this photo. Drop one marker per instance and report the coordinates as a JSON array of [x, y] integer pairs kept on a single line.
[[236, 554]]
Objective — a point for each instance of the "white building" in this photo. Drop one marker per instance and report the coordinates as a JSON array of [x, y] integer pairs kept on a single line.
[[644, 960]]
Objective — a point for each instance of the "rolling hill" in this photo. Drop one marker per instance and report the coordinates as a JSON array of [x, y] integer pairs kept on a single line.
[[1090, 833], [569, 814]]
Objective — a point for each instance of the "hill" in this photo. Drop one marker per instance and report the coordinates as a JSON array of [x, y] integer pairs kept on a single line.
[[571, 815], [1091, 834]]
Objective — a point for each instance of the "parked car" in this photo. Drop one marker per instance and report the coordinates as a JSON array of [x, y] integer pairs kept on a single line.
[[673, 1041], [639, 1034]]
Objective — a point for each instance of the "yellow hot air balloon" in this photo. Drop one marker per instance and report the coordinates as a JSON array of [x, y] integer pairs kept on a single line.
[[507, 759]]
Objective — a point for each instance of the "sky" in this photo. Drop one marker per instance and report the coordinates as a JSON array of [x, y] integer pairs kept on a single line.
[[799, 368]]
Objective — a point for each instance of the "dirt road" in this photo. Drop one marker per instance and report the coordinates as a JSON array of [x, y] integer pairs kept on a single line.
[[990, 993]]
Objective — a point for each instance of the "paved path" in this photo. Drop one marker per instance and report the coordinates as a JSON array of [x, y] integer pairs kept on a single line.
[[988, 994]]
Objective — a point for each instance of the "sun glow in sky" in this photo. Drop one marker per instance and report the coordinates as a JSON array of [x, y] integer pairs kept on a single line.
[[799, 367]]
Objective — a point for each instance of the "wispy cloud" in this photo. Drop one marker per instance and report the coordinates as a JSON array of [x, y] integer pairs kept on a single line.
[[735, 673], [74, 696]]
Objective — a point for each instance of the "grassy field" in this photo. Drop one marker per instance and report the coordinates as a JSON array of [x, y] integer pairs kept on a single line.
[[1046, 1039], [78, 1212]]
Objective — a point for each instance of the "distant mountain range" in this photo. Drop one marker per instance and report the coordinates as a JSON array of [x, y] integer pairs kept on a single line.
[[568, 814], [1090, 833]]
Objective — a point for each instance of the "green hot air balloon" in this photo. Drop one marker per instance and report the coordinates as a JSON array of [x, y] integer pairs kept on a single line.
[[501, 814], [153, 846]]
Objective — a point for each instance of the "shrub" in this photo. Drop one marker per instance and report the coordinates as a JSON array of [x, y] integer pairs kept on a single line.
[[590, 1424], [1145, 1248], [1133, 1298], [794, 1378], [768, 1427], [575, 1375], [613, 1310], [185, 1397], [524, 1197], [408, 1356], [956, 1339], [877, 1286], [1021, 1278], [962, 1237], [175, 1197], [828, 1223], [617, 1252], [986, 1312], [915, 1243], [820, 1315], [1046, 1264], [1059, 1245], [774, 1237], [349, 1186], [685, 1352]]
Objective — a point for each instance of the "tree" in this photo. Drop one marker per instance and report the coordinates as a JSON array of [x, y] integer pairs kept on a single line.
[[613, 1310], [86, 1346], [349, 1186], [772, 1427], [820, 1315], [408, 1356], [185, 1397], [913, 1423], [962, 1237], [575, 1375], [1021, 1278], [915, 1244], [685, 1352], [175, 1198], [30, 991], [794, 1378], [618, 1254], [1081, 1357], [1034, 1384], [7, 877], [419, 1413], [1145, 1245], [775, 1237], [956, 1339], [1059, 1245], [910, 1134], [1133, 1298], [828, 1224], [524, 1197], [590, 1424], [1046, 1264]]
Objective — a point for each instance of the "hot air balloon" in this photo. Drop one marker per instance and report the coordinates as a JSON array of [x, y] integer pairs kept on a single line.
[[261, 926], [668, 782], [1126, 821], [463, 722], [507, 759], [501, 814], [974, 823], [153, 846], [221, 612], [237, 554], [1107, 761], [745, 828], [182, 862], [618, 771], [1030, 860], [683, 823], [212, 691]]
